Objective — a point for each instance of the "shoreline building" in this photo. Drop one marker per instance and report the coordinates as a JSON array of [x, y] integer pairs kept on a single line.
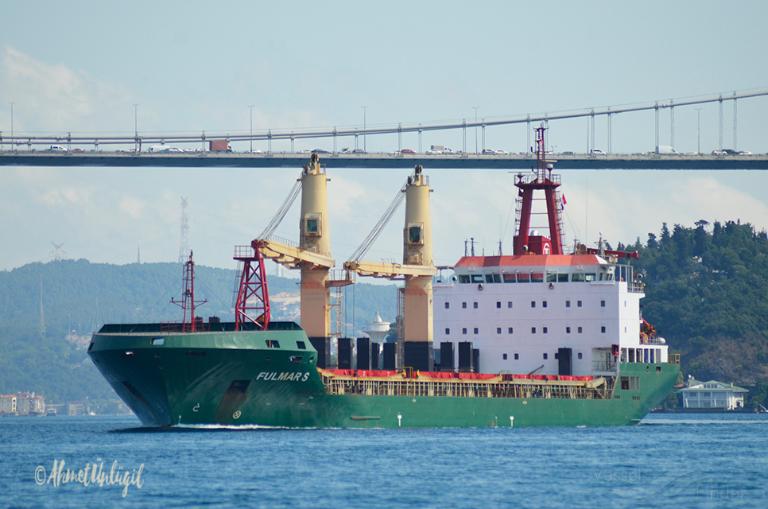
[[711, 395], [22, 403]]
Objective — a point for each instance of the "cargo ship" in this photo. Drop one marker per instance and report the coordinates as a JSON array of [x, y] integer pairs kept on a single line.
[[535, 338]]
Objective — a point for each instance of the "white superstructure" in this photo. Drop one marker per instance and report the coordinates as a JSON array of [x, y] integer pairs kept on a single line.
[[550, 314]]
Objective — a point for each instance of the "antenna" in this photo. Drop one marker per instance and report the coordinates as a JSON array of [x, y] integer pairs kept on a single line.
[[57, 253], [184, 231], [42, 311]]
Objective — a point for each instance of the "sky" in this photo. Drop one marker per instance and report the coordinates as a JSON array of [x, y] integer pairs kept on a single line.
[[191, 66]]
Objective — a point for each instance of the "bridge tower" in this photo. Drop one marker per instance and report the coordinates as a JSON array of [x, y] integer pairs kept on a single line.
[[542, 180]]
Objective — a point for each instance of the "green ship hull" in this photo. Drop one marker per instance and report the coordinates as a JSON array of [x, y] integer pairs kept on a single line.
[[269, 378]]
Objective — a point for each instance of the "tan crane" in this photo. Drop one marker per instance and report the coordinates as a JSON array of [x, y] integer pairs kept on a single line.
[[313, 254], [417, 268]]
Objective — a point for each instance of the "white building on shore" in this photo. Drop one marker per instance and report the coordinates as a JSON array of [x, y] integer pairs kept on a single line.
[[712, 395]]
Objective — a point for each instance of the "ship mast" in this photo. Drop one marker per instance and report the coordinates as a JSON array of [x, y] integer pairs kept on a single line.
[[188, 302], [542, 180]]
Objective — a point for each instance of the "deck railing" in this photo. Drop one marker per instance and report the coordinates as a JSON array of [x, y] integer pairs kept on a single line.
[[460, 389]]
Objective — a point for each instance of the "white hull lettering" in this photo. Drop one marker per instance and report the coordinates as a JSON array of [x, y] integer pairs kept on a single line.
[[285, 376]]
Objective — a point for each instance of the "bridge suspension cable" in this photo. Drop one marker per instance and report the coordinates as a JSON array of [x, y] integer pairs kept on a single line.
[[272, 134]]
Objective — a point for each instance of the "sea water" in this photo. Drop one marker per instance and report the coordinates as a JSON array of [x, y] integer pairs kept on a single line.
[[669, 460]]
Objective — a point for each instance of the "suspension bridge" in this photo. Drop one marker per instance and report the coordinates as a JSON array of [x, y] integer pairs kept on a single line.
[[214, 149]]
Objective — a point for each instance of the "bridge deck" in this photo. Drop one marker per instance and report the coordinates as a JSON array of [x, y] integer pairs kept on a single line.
[[386, 160]]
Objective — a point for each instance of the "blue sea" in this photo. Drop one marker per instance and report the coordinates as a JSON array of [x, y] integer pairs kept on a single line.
[[670, 460]]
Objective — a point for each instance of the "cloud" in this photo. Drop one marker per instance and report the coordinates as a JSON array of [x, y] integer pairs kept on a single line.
[[132, 206], [54, 97], [347, 195], [66, 196]]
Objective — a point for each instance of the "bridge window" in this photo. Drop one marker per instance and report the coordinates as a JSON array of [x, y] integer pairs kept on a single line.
[[533, 303], [568, 330], [301, 345], [533, 330], [474, 304], [464, 278], [578, 303], [477, 331], [498, 304], [273, 343], [543, 303], [463, 330], [579, 355], [477, 278], [602, 303], [545, 356], [498, 330], [602, 329], [578, 330], [463, 305], [589, 277], [517, 356], [509, 304], [562, 278], [577, 277], [504, 356], [509, 330], [447, 331], [544, 330], [447, 305], [551, 277], [567, 303]]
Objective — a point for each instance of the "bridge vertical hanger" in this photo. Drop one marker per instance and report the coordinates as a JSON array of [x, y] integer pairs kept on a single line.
[[544, 180]]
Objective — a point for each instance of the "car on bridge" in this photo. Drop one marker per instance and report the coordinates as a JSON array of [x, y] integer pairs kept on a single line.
[[57, 148]]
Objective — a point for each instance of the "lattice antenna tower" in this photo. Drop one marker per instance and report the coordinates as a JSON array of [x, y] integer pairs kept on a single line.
[[42, 328], [57, 252], [183, 231]]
